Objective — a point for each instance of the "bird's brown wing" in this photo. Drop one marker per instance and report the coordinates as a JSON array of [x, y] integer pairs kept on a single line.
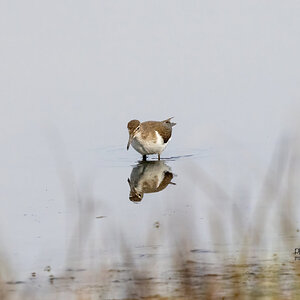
[[163, 128]]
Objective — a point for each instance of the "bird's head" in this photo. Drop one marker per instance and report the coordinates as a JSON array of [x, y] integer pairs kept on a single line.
[[132, 126]]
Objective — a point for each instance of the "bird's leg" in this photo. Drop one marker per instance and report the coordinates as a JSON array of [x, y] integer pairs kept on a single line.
[[144, 157], [158, 156]]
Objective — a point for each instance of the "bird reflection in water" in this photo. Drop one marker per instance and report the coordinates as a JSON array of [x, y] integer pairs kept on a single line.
[[148, 177]]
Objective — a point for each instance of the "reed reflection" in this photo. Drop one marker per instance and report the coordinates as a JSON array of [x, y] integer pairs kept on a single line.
[[149, 177]]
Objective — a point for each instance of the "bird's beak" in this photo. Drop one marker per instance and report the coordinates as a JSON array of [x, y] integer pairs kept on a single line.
[[129, 141]]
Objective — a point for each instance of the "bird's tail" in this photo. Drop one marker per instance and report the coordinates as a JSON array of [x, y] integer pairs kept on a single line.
[[169, 121]]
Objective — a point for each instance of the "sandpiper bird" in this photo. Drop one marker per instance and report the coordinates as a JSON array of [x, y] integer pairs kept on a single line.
[[149, 137]]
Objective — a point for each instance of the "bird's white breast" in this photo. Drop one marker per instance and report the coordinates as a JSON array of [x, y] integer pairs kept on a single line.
[[148, 146]]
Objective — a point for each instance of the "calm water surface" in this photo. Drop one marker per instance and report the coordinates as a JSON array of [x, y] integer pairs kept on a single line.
[[88, 209]]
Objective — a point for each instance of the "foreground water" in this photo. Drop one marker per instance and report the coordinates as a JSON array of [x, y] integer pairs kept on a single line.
[[98, 223]]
